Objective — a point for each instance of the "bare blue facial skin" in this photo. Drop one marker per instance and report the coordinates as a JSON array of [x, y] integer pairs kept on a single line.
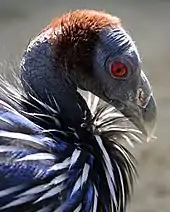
[[115, 45], [132, 94]]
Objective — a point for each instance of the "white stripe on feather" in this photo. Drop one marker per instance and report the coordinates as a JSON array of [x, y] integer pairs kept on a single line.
[[110, 112], [95, 200], [126, 156], [109, 116], [89, 99], [54, 130], [78, 209], [128, 140], [111, 187], [76, 186], [38, 156], [44, 105], [85, 173], [11, 190], [51, 193], [4, 148], [6, 120], [121, 129], [135, 138], [122, 186], [74, 157], [108, 169], [94, 105], [5, 105], [21, 136], [106, 158], [19, 202], [59, 179], [39, 115], [56, 104], [61, 165], [35, 190], [112, 205]]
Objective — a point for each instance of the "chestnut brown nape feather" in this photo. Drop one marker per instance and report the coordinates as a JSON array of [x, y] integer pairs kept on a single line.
[[74, 36]]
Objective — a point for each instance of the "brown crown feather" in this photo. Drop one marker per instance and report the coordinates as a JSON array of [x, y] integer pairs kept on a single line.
[[74, 35]]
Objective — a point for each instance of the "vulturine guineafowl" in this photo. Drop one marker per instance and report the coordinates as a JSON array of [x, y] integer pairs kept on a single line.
[[57, 152]]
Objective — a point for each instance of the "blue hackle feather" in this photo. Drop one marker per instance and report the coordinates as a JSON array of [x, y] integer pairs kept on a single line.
[[47, 166]]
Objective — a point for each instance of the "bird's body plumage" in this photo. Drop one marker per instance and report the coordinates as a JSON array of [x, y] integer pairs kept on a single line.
[[53, 165], [58, 151]]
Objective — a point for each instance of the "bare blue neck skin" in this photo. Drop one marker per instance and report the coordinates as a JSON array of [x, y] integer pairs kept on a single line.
[[41, 73]]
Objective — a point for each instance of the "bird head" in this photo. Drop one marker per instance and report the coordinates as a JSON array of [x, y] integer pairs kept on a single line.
[[95, 53]]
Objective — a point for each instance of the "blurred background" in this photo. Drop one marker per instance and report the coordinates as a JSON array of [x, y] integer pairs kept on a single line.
[[149, 24]]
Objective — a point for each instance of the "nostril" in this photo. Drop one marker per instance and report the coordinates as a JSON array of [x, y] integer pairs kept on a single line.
[[141, 98]]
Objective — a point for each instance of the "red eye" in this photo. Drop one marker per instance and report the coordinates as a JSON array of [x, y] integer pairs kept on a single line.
[[118, 69]]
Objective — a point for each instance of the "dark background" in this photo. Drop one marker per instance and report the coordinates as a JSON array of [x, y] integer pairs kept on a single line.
[[148, 21]]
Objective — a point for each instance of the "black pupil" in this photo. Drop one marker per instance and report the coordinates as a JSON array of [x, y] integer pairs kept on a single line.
[[119, 70]]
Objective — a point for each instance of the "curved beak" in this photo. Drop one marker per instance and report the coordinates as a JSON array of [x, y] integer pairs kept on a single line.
[[144, 117], [149, 115], [142, 110], [146, 107]]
